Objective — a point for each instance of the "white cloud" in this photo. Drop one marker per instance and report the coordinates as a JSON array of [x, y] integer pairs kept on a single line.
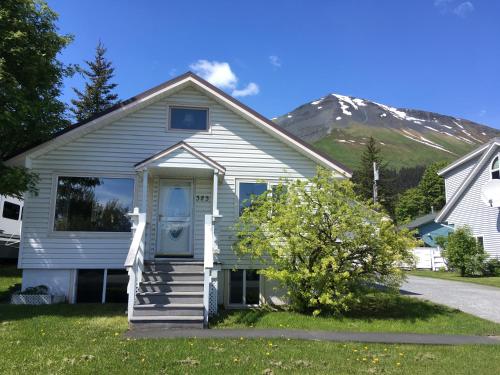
[[463, 9], [275, 61], [217, 73], [482, 112], [251, 89], [221, 75], [450, 6]]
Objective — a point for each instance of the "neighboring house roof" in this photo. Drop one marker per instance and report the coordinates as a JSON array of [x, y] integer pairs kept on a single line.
[[484, 153], [139, 101], [181, 145], [421, 220]]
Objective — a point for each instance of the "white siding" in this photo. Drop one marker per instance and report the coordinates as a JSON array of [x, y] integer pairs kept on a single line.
[[471, 211], [244, 150], [455, 178]]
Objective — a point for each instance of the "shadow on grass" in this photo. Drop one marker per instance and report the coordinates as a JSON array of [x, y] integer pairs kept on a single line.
[[21, 312], [379, 306], [6, 293]]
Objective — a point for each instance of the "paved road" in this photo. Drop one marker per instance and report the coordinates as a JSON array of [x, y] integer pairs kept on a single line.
[[479, 300], [386, 338]]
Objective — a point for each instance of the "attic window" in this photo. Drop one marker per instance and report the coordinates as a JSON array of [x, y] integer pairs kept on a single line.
[[495, 169], [191, 119]]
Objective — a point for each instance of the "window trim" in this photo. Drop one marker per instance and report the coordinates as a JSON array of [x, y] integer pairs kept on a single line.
[[169, 118], [228, 288], [492, 170], [85, 234], [269, 182]]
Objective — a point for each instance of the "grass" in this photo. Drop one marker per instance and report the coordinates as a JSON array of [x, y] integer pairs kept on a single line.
[[381, 313], [397, 150], [489, 280], [10, 280], [88, 339]]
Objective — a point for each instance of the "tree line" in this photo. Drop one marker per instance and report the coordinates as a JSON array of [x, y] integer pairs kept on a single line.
[[31, 81]]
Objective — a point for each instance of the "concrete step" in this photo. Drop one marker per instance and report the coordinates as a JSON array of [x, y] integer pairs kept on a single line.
[[172, 276], [166, 321], [172, 309], [171, 286], [165, 298], [175, 266]]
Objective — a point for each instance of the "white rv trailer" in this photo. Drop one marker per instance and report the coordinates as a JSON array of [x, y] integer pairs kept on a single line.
[[11, 211]]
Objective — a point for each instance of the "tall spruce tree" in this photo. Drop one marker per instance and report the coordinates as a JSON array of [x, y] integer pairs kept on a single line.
[[363, 176], [31, 79], [98, 94]]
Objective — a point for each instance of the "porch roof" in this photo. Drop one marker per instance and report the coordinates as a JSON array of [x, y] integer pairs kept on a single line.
[[180, 155]]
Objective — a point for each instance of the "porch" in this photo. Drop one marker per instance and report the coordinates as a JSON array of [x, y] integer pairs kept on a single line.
[[170, 263]]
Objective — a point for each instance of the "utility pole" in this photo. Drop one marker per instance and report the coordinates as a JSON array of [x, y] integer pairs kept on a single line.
[[375, 179]]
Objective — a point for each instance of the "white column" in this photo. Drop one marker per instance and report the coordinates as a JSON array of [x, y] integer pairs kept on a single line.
[[215, 188], [144, 203]]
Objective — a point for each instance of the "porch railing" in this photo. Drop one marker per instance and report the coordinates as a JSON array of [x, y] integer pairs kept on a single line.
[[208, 261], [135, 258]]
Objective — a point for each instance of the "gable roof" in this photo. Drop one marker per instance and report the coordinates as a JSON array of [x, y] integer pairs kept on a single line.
[[485, 152], [181, 145], [421, 220], [136, 102]]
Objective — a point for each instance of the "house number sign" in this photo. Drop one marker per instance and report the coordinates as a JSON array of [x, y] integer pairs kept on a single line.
[[203, 198]]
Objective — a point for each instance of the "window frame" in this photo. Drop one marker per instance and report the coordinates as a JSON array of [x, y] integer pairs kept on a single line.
[[19, 215], [497, 157], [244, 286], [198, 108], [269, 183], [86, 234], [104, 284]]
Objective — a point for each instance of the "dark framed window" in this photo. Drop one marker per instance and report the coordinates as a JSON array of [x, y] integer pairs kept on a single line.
[[244, 287], [495, 169], [93, 204], [183, 118], [11, 210], [480, 242], [89, 286], [100, 285], [248, 190]]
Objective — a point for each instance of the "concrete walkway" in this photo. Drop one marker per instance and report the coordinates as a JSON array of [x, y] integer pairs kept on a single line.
[[385, 338], [479, 300]]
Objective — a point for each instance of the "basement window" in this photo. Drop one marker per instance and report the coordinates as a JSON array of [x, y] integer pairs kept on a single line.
[[495, 169], [190, 119], [244, 288], [101, 286]]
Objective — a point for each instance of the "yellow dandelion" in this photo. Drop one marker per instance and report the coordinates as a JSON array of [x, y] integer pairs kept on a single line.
[[364, 359], [366, 347], [268, 353], [398, 364], [401, 354], [355, 350]]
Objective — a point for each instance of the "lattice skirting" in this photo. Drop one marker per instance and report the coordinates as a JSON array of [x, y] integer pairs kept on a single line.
[[212, 297]]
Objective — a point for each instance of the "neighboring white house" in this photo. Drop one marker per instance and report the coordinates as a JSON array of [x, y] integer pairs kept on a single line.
[[186, 156], [467, 180]]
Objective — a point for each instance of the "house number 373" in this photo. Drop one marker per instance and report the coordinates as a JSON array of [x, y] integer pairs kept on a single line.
[[203, 198]]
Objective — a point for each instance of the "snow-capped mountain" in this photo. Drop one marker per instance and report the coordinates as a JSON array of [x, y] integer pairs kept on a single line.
[[340, 124]]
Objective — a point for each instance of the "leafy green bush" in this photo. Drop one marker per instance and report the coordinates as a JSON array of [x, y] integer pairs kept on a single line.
[[321, 245], [492, 267], [463, 252]]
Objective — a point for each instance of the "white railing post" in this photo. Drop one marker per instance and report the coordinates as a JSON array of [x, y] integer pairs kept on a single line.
[[135, 257], [208, 262]]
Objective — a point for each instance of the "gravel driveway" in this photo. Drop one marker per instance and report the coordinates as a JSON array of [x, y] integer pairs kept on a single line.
[[479, 300]]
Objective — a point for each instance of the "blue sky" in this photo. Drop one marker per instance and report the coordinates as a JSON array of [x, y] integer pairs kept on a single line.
[[437, 55]]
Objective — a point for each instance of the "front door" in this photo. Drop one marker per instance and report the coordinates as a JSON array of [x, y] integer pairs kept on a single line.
[[175, 218]]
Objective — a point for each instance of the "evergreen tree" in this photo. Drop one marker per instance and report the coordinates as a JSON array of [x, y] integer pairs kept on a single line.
[[363, 176], [31, 78], [98, 94]]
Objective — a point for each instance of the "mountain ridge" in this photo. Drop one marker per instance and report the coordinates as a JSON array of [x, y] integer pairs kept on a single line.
[[340, 125]]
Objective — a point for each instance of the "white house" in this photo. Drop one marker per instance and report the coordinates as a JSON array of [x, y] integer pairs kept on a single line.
[[184, 156], [473, 195]]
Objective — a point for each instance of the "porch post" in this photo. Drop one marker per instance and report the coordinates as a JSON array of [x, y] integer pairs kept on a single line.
[[144, 203], [215, 210]]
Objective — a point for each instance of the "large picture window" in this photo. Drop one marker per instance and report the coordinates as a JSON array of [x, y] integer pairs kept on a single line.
[[182, 118], [93, 204]]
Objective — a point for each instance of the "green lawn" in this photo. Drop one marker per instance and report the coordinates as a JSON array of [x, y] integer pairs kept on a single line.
[[490, 281], [10, 280], [381, 313], [87, 339]]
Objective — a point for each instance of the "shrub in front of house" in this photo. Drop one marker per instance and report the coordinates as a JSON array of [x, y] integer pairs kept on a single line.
[[463, 253], [321, 244]]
